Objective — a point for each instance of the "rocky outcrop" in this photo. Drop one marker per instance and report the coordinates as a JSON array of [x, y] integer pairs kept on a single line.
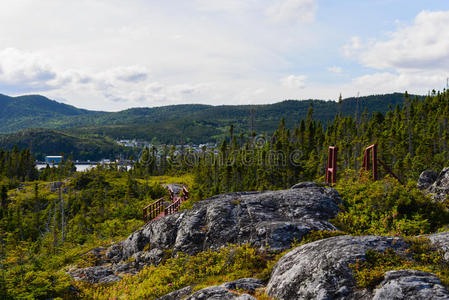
[[98, 274], [426, 179], [439, 190], [218, 293], [269, 220], [264, 219], [410, 284], [246, 284], [441, 241], [176, 188], [320, 270], [224, 291], [178, 294]]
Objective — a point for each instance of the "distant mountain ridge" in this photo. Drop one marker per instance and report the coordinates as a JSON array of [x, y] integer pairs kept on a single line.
[[194, 123], [32, 104]]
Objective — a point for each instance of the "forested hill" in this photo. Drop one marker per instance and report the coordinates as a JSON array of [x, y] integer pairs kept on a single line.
[[44, 142], [24, 112], [195, 123]]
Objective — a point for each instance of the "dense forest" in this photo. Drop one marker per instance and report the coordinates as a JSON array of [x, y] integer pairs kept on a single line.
[[44, 142], [50, 219], [174, 124], [411, 138]]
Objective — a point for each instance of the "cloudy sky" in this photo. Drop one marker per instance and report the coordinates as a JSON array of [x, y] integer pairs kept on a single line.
[[111, 55]]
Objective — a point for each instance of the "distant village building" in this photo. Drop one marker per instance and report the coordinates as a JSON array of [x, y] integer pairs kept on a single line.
[[53, 159]]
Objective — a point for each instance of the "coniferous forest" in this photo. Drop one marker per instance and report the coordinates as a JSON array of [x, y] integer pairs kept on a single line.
[[52, 217]]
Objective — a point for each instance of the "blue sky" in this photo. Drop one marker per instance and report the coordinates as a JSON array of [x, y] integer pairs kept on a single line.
[[112, 55]]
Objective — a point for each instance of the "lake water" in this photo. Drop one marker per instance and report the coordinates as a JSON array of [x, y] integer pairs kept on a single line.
[[79, 168]]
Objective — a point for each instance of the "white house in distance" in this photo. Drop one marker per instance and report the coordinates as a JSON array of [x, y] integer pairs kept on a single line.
[[53, 159]]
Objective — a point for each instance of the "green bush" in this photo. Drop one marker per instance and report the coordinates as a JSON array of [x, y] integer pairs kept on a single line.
[[421, 256], [387, 208]]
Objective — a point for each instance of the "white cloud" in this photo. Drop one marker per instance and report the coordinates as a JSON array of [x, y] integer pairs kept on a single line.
[[335, 69], [229, 6], [423, 45], [294, 81], [353, 48], [292, 10], [25, 70], [415, 56], [418, 82]]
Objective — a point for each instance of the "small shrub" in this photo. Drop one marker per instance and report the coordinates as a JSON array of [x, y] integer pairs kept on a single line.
[[421, 255]]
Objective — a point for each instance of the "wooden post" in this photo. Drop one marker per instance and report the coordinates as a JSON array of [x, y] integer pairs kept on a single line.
[[374, 160], [331, 169], [370, 157]]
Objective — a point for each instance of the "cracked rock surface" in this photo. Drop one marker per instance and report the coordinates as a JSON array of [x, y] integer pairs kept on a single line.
[[441, 241], [410, 284], [224, 291], [269, 220], [426, 179], [320, 270], [218, 293], [439, 190]]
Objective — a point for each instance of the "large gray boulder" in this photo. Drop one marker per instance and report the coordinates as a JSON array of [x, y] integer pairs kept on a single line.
[[267, 220], [439, 190], [320, 270], [410, 284], [426, 179], [270, 220]]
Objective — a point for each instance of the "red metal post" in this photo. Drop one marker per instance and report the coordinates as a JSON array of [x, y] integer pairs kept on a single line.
[[331, 169]]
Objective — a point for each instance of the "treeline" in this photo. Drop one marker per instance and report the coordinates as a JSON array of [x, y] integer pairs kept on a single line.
[[411, 138], [42, 142], [17, 166]]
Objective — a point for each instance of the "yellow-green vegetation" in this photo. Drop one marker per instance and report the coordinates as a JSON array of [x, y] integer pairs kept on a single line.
[[45, 227], [201, 270], [421, 256], [186, 179], [385, 207]]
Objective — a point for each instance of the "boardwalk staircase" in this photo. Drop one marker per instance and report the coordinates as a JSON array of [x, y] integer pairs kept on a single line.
[[159, 209]]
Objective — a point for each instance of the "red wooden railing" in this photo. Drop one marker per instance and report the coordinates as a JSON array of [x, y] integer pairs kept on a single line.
[[153, 210], [370, 161], [157, 209], [172, 208]]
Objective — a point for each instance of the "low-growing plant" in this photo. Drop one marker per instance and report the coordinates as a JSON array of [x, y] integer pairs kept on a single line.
[[204, 269], [421, 255]]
